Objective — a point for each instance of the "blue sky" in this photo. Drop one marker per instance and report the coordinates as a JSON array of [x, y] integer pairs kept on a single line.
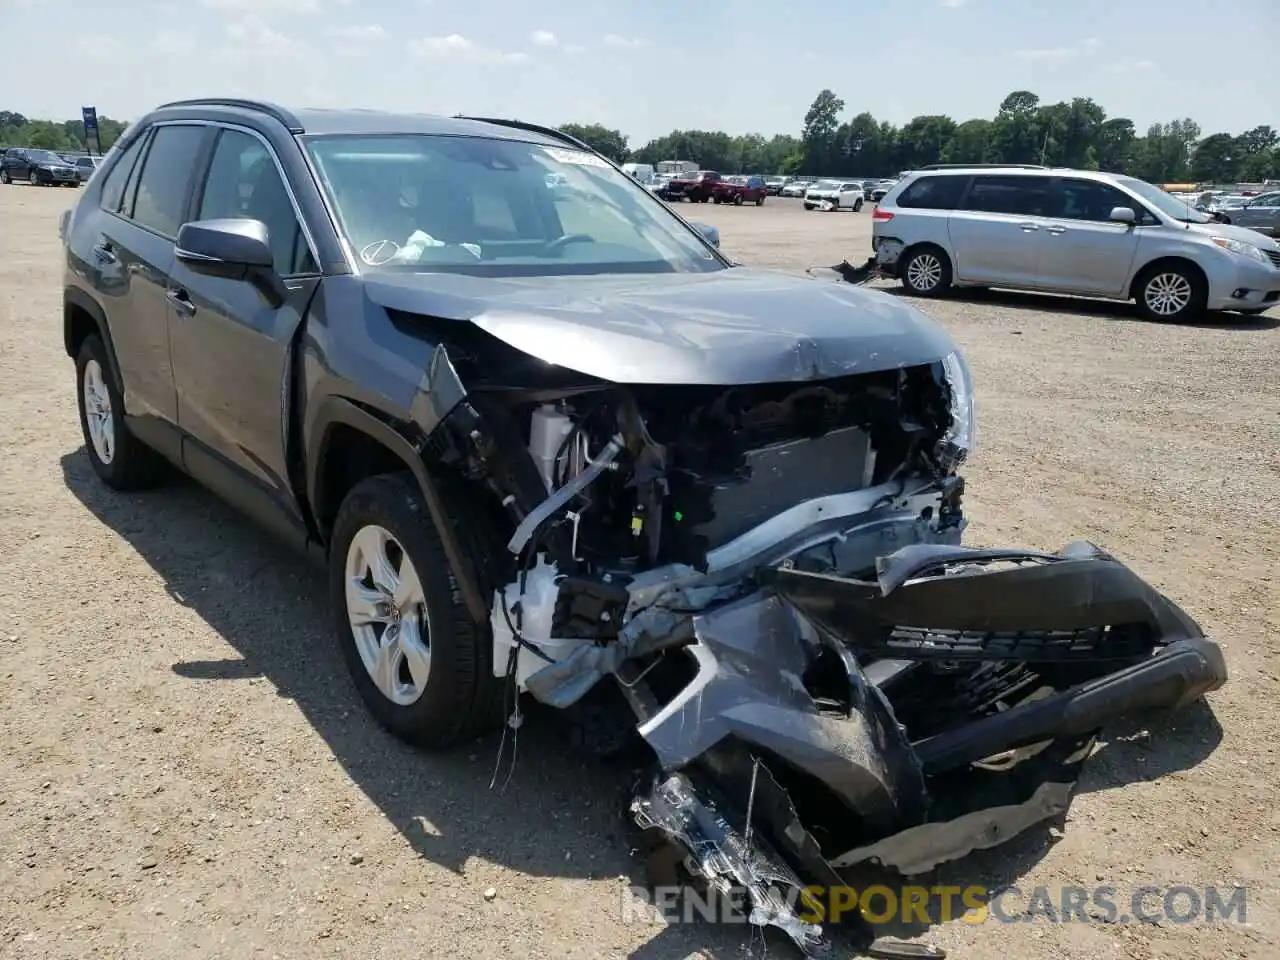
[[737, 65]]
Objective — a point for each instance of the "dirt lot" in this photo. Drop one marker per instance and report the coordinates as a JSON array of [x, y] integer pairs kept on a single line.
[[185, 770]]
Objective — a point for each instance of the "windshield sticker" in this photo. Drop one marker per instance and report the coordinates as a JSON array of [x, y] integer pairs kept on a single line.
[[578, 157]]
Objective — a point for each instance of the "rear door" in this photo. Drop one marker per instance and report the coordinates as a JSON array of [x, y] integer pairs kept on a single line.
[[146, 198], [997, 229], [231, 348], [1083, 250]]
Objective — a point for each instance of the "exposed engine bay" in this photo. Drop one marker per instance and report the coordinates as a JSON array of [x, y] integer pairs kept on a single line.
[[770, 576]]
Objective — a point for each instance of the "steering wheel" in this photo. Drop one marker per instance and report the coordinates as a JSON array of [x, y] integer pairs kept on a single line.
[[379, 252], [559, 243]]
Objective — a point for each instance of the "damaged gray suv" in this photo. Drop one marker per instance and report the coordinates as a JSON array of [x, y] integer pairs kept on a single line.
[[552, 442]]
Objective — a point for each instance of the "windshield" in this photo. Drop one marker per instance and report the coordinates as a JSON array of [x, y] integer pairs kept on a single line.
[[1166, 203], [498, 208], [826, 185], [44, 156]]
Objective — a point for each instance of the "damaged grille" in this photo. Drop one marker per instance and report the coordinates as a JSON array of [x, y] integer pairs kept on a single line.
[[1031, 646]]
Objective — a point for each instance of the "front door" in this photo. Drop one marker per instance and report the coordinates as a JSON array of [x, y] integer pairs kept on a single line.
[[1083, 250], [232, 349]]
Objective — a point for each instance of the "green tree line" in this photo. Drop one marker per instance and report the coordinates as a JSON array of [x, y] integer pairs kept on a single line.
[[1075, 134], [64, 135]]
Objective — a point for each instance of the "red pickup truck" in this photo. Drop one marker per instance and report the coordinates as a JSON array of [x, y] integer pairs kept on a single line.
[[709, 185]]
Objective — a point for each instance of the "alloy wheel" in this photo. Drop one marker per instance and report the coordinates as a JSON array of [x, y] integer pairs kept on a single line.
[[386, 609], [1167, 294], [98, 413], [924, 272]]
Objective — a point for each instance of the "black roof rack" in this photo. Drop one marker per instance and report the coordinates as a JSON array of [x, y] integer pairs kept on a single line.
[[532, 128], [258, 106], [978, 166]]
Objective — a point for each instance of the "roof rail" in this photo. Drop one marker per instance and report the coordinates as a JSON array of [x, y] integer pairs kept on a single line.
[[272, 110], [972, 166], [532, 128]]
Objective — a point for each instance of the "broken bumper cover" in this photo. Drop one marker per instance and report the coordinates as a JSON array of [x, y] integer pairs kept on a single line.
[[1098, 642]]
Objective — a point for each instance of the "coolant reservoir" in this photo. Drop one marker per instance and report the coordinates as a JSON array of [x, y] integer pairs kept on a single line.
[[547, 429]]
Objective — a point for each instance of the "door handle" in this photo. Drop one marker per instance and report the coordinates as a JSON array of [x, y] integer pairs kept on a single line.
[[1056, 230], [180, 300], [1030, 227], [104, 252]]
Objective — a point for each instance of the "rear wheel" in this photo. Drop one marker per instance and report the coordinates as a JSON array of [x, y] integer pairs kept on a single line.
[[119, 458], [760, 200], [420, 663], [926, 272], [857, 205], [737, 199], [4, 177], [1171, 292]]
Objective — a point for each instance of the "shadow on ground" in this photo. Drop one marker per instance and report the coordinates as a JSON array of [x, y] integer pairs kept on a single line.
[[1042, 303], [270, 605]]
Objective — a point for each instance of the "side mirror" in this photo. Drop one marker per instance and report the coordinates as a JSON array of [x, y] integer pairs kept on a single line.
[[233, 249], [1123, 215], [709, 233]]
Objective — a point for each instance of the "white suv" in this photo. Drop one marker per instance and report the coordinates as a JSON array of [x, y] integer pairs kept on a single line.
[[1071, 231]]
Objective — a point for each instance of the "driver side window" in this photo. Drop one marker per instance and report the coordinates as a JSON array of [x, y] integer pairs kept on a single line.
[[243, 181]]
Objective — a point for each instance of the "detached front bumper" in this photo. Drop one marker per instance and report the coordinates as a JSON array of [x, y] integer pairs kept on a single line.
[[802, 694]]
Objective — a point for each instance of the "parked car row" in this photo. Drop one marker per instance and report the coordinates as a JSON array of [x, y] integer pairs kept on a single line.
[[46, 167]]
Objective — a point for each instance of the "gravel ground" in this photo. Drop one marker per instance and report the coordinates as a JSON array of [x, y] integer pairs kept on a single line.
[[186, 771]]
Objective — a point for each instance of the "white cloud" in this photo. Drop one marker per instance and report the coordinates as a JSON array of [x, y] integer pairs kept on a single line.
[[543, 38], [367, 33], [1048, 54], [951, 4], [264, 7], [1084, 48], [613, 40], [459, 48], [251, 38], [1132, 66]]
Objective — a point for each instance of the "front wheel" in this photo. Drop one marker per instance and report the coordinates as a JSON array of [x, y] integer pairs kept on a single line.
[[37, 178], [926, 272], [4, 177], [1171, 292], [857, 206], [760, 200], [737, 199], [808, 206], [420, 663]]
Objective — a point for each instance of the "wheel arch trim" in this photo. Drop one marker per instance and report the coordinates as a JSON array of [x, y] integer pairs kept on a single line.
[[334, 411]]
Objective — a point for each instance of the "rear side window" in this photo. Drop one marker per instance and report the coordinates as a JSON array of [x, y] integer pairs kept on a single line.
[[1020, 196], [933, 193], [113, 186], [165, 181]]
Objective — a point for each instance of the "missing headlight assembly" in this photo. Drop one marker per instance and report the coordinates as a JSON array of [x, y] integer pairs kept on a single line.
[[770, 576]]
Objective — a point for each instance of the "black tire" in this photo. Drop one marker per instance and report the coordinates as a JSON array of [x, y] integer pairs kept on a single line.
[[37, 178], [4, 177], [857, 206], [760, 200], [461, 699], [717, 200], [1171, 292], [738, 199], [808, 206], [925, 271], [131, 464]]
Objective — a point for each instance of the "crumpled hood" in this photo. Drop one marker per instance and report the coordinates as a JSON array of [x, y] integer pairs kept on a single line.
[[734, 326]]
